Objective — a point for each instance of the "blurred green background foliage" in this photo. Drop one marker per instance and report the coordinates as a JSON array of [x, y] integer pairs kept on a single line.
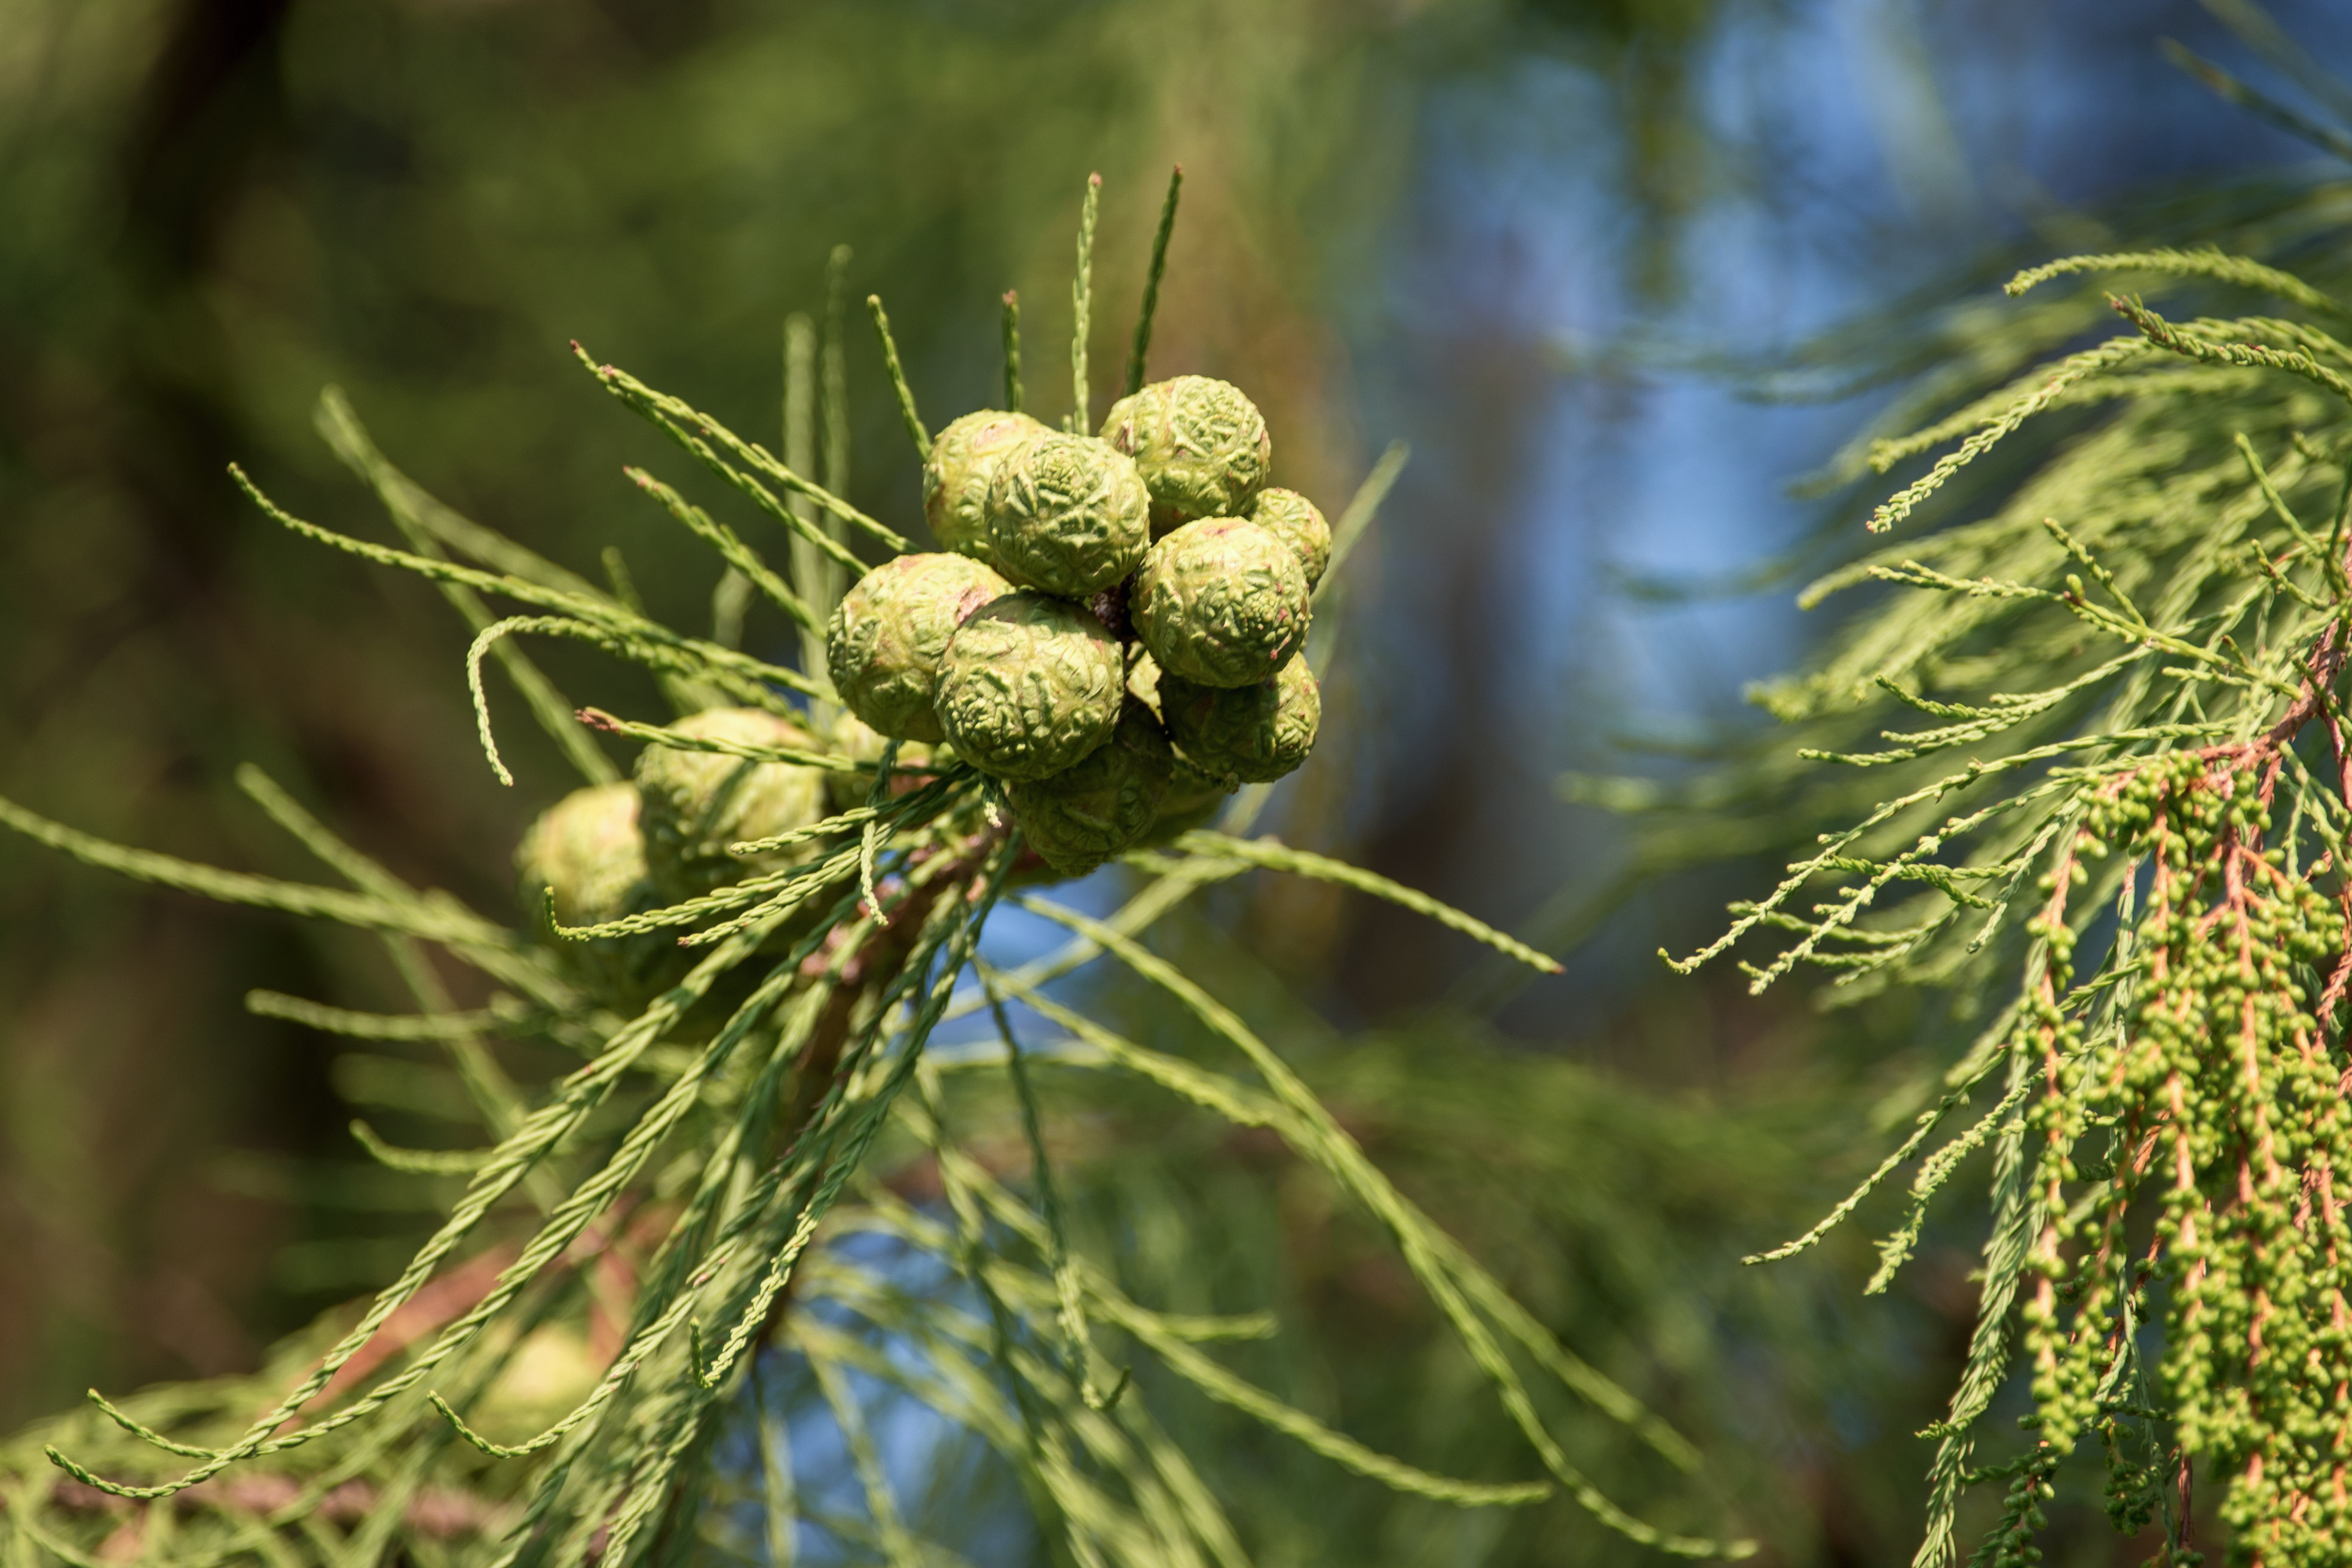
[[1534, 237]]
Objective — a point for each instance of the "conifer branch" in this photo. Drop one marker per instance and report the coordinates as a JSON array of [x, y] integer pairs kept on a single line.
[[752, 997], [2183, 803], [2213, 264]]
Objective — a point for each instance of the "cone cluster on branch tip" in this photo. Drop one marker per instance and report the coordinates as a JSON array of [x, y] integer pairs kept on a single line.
[[1076, 568]]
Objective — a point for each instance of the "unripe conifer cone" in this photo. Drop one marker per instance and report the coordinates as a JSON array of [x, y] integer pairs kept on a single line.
[[1091, 811], [693, 805], [585, 849], [1249, 734], [860, 742], [1221, 602], [1201, 446], [1297, 522], [1188, 786], [1067, 515], [956, 475], [1143, 679], [1193, 800], [1030, 685], [888, 633]]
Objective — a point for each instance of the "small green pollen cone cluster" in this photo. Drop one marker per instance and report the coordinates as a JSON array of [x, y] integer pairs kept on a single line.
[[1016, 648]]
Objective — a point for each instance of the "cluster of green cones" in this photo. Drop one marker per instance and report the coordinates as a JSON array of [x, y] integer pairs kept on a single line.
[[1114, 632], [736, 955], [1115, 642]]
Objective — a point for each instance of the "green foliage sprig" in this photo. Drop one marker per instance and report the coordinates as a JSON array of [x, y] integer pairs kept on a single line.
[[2103, 813]]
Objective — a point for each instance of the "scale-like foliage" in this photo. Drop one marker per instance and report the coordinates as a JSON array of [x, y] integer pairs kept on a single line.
[[545, 1382], [2103, 819]]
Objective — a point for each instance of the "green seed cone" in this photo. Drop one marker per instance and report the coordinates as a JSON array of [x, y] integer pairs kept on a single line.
[[1293, 518], [1221, 602], [1029, 685], [1249, 734], [1067, 515], [860, 742], [587, 851], [1143, 679], [956, 475], [1085, 813], [693, 805], [1193, 800], [888, 633], [1201, 446]]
